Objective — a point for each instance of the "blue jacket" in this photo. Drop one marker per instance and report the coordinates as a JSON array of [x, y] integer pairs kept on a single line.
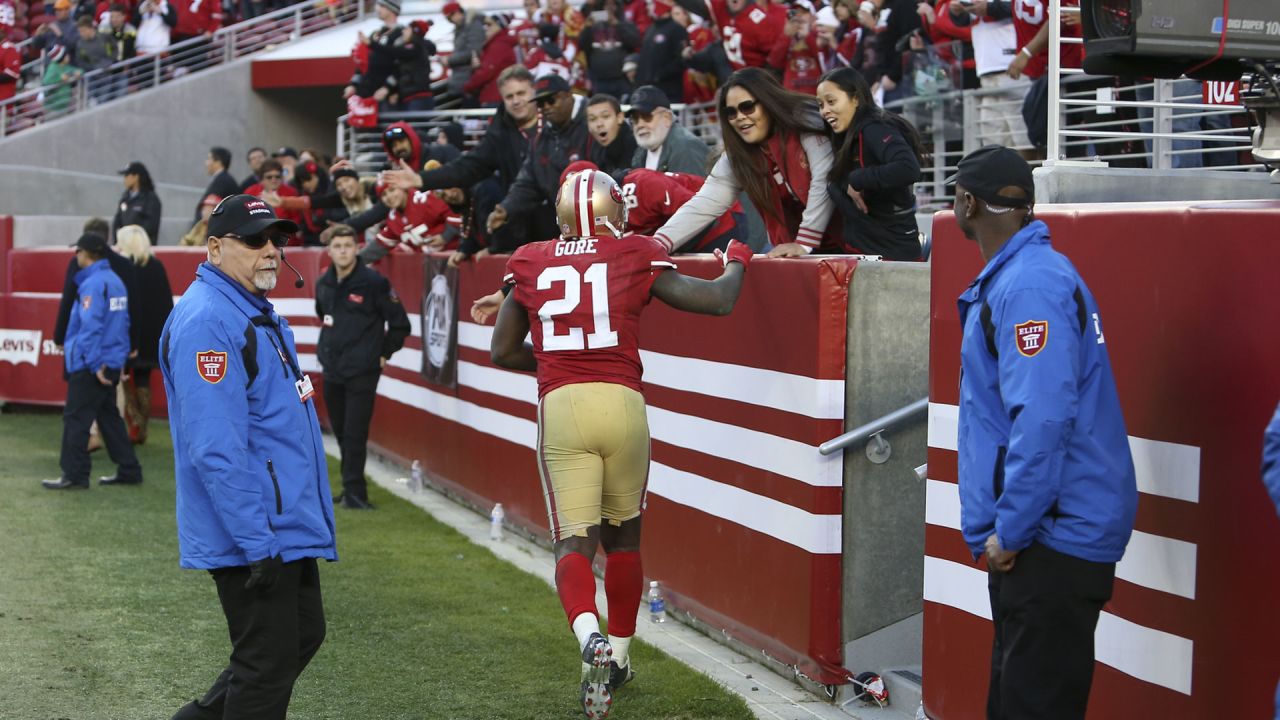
[[98, 332], [1271, 459], [251, 471], [1043, 452]]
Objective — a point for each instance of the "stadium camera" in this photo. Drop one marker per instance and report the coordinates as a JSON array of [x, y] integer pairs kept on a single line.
[[1260, 93], [1202, 39]]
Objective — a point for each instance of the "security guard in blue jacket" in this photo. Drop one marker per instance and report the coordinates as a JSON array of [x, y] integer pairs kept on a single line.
[[97, 346], [1047, 487], [253, 490]]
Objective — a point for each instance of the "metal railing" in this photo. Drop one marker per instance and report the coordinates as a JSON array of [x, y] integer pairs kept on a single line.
[[363, 146], [97, 87], [878, 449]]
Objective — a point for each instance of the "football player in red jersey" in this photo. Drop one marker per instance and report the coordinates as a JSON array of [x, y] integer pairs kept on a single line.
[[10, 56], [1032, 31], [580, 298], [416, 222]]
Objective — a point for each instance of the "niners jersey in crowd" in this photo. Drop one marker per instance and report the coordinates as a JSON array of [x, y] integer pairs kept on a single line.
[[652, 197], [1028, 17], [749, 35], [197, 17], [10, 65], [423, 216], [584, 298]]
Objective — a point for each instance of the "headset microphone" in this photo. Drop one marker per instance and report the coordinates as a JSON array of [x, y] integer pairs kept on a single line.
[[296, 283]]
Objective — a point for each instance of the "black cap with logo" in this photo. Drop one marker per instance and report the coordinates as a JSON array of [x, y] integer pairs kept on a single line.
[[549, 85], [133, 168], [988, 170], [648, 98], [245, 215]]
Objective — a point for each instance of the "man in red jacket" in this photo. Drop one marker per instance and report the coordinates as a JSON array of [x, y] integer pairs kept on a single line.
[[197, 18]]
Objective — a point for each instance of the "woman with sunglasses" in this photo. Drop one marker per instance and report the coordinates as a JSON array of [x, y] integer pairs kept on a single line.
[[877, 161], [775, 151]]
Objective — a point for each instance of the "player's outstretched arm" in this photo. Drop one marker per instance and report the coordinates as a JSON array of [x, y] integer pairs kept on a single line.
[[708, 297], [508, 348]]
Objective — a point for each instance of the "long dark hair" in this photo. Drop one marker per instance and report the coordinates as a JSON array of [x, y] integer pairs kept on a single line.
[[855, 86], [790, 113], [144, 179]]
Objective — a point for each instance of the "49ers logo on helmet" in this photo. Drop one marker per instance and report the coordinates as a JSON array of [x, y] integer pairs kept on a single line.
[[615, 193], [211, 365]]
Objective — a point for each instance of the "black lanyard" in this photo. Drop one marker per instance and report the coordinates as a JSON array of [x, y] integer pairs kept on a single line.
[[285, 357]]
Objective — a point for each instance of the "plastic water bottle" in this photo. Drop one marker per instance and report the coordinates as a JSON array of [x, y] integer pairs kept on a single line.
[[920, 712], [657, 606], [415, 477], [495, 522]]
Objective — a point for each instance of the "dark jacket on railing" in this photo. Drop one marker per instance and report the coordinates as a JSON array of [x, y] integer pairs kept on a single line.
[[384, 66], [885, 174]]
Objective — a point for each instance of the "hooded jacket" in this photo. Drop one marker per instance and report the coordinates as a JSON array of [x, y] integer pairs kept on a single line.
[[98, 332], [252, 476], [415, 156], [550, 152], [885, 171], [1043, 452], [499, 52]]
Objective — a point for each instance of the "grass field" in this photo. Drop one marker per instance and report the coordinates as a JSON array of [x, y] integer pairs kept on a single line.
[[98, 621]]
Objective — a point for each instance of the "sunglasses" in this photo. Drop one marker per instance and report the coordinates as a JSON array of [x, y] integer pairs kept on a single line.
[[259, 241], [272, 176], [746, 107], [545, 101]]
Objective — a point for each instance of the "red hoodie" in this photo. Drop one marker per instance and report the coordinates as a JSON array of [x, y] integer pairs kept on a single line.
[[499, 53], [415, 155], [197, 17]]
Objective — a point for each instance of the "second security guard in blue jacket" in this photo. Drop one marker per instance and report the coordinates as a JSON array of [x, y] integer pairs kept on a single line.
[[253, 489], [1047, 486], [96, 348]]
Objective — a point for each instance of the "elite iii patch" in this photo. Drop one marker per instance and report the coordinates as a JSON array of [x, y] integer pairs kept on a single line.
[[1031, 336], [211, 366]]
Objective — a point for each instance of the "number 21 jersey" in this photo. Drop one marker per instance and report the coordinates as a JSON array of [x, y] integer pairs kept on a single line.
[[584, 298]]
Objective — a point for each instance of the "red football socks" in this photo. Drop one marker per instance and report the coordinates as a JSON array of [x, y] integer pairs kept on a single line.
[[576, 585], [623, 584]]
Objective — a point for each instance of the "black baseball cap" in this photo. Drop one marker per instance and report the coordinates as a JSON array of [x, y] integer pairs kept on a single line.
[[988, 170], [93, 242], [648, 98], [133, 168], [246, 215], [286, 152], [549, 85]]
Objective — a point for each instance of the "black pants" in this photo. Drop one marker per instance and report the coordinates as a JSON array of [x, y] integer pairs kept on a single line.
[[350, 404], [89, 400], [1045, 612], [274, 634]]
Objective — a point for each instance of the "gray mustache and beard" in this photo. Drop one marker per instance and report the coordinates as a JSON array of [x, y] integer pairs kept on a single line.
[[265, 278]]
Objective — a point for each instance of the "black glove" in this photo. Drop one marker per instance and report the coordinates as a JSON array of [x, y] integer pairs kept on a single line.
[[262, 573]]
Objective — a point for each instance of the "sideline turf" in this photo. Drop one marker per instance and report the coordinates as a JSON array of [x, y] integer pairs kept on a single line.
[[98, 621]]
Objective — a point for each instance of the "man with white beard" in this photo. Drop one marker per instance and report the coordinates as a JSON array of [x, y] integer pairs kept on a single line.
[[663, 145], [253, 505]]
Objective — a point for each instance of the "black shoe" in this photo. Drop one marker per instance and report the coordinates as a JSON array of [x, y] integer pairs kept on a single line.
[[337, 499], [619, 676], [351, 502], [117, 480], [64, 484]]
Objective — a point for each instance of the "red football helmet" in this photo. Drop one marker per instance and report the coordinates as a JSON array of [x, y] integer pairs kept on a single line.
[[590, 204]]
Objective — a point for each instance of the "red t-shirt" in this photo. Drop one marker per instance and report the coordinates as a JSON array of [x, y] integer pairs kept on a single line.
[[584, 299], [10, 69], [1028, 17], [749, 35], [653, 196], [424, 215]]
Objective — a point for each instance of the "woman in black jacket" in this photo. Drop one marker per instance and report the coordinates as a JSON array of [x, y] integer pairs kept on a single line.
[[139, 205], [155, 301], [878, 158]]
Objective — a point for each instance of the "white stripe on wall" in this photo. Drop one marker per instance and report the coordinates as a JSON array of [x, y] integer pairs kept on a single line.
[[818, 534], [1152, 561], [812, 397], [1163, 468], [1151, 655], [1166, 469]]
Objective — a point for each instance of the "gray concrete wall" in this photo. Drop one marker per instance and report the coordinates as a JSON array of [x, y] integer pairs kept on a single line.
[[887, 368], [68, 167]]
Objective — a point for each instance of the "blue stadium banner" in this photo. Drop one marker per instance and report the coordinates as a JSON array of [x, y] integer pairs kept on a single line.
[[440, 323]]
